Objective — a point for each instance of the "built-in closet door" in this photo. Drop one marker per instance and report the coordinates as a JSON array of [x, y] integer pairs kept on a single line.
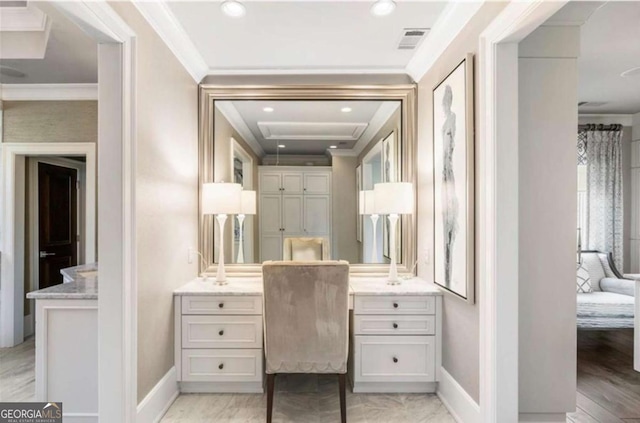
[[270, 183], [317, 215], [292, 219], [317, 183], [292, 183], [270, 212]]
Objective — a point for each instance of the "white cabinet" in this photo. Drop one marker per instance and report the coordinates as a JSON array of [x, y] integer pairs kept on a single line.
[[395, 343], [293, 202]]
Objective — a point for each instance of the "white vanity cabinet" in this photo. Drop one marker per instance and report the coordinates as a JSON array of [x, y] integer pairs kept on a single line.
[[294, 201], [395, 342]]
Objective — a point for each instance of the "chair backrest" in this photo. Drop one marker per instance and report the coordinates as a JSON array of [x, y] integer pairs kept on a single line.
[[306, 316], [306, 249]]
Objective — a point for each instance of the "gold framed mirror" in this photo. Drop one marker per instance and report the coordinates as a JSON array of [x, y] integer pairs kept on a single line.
[[224, 153]]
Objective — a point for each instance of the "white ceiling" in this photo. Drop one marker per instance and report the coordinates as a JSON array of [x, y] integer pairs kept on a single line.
[[610, 45], [303, 35], [307, 127], [71, 56]]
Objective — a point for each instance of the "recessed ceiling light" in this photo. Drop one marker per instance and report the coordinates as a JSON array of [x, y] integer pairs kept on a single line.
[[631, 72], [333, 146], [268, 109], [345, 109], [383, 7], [233, 8], [281, 146]]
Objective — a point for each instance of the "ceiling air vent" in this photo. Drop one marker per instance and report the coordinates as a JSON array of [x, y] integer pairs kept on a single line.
[[592, 103], [412, 37]]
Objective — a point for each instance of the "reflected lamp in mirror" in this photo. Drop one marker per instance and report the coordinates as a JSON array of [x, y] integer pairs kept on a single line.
[[367, 207], [393, 199], [221, 199], [247, 206]]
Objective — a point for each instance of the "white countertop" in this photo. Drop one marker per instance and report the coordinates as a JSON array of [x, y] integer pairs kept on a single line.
[[83, 287], [360, 285]]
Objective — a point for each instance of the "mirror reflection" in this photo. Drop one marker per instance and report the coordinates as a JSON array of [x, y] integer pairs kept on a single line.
[[310, 163]]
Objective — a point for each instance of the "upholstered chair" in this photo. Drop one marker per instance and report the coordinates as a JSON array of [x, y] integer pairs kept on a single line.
[[306, 321], [306, 249]]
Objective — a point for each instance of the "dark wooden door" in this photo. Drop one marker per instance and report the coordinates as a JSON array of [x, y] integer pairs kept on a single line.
[[58, 222]]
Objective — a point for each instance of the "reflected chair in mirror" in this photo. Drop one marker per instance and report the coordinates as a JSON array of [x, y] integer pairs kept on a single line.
[[306, 322], [306, 249]]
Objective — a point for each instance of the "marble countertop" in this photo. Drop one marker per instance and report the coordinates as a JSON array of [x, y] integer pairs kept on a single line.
[[359, 285], [83, 287]]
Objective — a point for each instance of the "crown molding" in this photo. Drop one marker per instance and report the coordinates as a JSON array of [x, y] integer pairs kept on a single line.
[[342, 153], [163, 21], [382, 115], [451, 22], [307, 71], [28, 18], [44, 92], [606, 119], [234, 117]]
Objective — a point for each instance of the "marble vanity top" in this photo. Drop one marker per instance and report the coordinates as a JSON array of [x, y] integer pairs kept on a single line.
[[83, 287], [359, 285]]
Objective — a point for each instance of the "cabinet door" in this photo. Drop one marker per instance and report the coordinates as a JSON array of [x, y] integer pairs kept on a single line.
[[270, 214], [270, 182], [317, 214], [292, 214], [317, 183], [292, 183], [271, 247]]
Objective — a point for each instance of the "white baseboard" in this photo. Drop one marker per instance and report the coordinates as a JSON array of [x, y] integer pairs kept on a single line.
[[542, 417], [459, 403], [157, 402]]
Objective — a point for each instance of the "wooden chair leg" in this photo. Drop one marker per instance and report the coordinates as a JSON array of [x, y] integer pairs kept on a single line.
[[342, 379], [271, 379]]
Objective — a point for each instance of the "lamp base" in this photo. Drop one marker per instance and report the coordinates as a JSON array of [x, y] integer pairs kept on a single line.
[[394, 282]]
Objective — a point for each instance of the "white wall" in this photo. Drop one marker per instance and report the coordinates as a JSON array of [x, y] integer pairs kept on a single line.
[[548, 118], [634, 248], [166, 193]]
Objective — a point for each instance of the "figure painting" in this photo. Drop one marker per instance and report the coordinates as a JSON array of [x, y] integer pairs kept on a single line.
[[453, 179]]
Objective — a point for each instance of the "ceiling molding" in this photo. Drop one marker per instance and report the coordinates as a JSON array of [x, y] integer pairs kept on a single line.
[[320, 131], [163, 21], [382, 115], [605, 119], [28, 18], [451, 22], [44, 92], [308, 71], [234, 117], [342, 153]]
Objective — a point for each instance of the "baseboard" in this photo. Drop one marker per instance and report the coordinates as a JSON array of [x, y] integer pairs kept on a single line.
[[542, 417], [459, 403], [159, 399]]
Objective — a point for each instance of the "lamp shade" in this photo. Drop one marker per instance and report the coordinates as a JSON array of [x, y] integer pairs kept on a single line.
[[248, 202], [367, 203], [393, 198], [221, 198]]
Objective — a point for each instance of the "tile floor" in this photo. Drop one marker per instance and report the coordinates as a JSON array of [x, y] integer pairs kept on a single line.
[[307, 399]]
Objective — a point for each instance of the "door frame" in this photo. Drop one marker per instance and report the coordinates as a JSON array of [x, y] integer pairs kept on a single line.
[[497, 242], [12, 281]]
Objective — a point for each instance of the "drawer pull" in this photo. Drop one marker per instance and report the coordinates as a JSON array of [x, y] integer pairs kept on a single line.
[[221, 305], [395, 305], [221, 332], [395, 326], [221, 366], [395, 359]]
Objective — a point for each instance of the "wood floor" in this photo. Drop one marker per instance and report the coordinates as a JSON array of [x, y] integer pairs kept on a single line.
[[608, 387], [17, 372]]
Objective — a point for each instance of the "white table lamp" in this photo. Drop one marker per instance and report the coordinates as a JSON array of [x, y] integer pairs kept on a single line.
[[221, 199], [247, 206], [367, 207], [393, 199]]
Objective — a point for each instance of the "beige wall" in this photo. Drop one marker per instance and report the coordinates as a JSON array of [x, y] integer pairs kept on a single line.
[[50, 121], [460, 332], [344, 214], [166, 193], [223, 132]]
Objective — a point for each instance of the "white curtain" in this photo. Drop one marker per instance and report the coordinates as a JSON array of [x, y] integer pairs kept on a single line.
[[604, 231]]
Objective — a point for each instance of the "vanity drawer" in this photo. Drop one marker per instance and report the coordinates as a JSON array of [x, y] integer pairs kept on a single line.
[[394, 325], [221, 331], [230, 304], [220, 365], [394, 358], [394, 304]]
